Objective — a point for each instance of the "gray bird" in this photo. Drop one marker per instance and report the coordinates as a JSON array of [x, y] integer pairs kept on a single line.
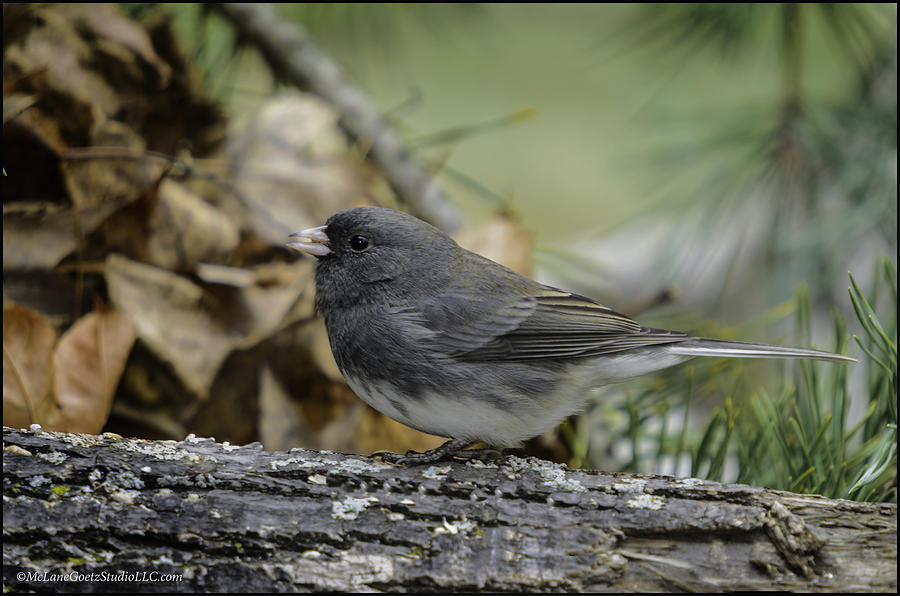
[[456, 345]]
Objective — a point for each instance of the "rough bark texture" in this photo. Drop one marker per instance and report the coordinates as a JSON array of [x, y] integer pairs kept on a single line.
[[242, 519]]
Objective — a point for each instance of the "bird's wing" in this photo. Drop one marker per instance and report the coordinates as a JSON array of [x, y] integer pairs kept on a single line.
[[543, 324]]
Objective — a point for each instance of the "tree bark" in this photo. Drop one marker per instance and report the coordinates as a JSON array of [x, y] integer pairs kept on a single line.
[[198, 515]]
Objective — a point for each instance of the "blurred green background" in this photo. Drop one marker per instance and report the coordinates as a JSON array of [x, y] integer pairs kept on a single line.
[[613, 89], [709, 167]]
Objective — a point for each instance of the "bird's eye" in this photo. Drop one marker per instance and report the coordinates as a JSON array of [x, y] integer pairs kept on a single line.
[[359, 243]]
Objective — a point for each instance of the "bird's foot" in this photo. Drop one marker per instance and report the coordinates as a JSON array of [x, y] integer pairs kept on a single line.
[[452, 448]]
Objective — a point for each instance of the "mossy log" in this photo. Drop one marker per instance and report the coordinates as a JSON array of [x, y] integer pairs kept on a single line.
[[103, 513]]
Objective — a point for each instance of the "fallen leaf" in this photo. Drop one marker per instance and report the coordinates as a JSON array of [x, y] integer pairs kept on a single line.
[[282, 295], [57, 295], [281, 425], [88, 363], [28, 340], [170, 319], [53, 44], [290, 168], [194, 328], [116, 169], [376, 432], [172, 228], [235, 277], [502, 239], [41, 238], [116, 34], [185, 230]]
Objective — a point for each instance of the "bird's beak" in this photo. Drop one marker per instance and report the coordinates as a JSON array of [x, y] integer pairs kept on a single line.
[[313, 241]]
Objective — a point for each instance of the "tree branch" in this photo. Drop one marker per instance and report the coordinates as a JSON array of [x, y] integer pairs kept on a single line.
[[293, 56]]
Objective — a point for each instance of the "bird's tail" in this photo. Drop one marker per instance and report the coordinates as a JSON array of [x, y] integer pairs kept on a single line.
[[699, 346]]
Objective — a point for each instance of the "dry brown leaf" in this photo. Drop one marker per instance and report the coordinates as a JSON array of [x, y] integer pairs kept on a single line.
[[41, 238], [281, 424], [172, 228], [235, 277], [16, 104], [115, 170], [33, 132], [315, 337], [79, 45], [195, 328], [88, 363], [54, 44], [37, 238], [290, 168], [501, 239], [55, 294], [98, 185], [282, 295], [376, 432], [230, 413], [28, 340], [116, 34], [170, 319], [185, 230]]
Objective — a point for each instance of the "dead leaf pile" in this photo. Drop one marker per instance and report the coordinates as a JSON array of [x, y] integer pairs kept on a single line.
[[203, 321]]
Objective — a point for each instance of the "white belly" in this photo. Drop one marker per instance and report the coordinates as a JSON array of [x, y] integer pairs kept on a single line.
[[457, 415]]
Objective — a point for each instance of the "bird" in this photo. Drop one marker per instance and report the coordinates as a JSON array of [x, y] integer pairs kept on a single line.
[[453, 344]]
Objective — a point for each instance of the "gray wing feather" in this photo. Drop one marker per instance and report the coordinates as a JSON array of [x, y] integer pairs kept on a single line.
[[548, 324]]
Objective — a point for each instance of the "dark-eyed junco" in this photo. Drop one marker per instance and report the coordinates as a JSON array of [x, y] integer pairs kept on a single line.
[[453, 344]]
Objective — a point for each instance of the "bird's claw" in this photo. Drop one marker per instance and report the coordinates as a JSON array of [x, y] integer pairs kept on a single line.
[[452, 448]]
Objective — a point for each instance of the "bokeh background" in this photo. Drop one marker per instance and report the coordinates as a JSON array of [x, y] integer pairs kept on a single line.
[[711, 168]]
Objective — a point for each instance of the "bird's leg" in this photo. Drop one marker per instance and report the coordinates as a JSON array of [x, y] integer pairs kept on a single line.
[[453, 447], [426, 457]]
